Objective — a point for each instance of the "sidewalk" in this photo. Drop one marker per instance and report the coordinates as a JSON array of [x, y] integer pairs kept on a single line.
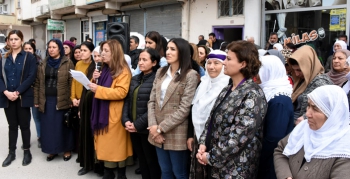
[[40, 168]]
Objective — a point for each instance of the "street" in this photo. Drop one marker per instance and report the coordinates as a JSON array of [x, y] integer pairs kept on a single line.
[[40, 168]]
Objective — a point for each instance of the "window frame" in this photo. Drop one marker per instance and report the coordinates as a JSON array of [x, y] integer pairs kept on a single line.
[[233, 8]]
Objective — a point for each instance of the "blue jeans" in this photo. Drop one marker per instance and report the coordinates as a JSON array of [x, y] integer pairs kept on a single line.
[[35, 113], [173, 163]]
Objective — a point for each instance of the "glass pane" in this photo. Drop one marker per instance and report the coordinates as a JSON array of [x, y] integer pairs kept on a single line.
[[319, 29], [271, 5]]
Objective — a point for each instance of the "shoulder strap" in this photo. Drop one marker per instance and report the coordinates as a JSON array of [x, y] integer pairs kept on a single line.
[[24, 63], [3, 61]]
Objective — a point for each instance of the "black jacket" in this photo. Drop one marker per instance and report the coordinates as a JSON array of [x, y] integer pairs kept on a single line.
[[25, 88], [141, 122], [134, 55]]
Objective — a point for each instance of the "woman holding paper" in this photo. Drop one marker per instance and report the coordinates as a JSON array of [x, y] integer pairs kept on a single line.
[[52, 97], [112, 141]]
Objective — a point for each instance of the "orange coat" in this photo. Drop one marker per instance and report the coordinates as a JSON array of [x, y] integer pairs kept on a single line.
[[115, 145]]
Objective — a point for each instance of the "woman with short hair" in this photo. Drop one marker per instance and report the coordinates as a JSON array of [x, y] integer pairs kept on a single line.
[[135, 119], [230, 144]]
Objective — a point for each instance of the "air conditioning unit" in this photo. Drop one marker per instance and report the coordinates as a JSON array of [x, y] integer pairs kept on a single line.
[[4, 12], [45, 9]]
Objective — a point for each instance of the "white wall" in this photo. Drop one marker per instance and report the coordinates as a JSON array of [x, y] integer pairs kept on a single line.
[[26, 30], [204, 15], [252, 27], [29, 10]]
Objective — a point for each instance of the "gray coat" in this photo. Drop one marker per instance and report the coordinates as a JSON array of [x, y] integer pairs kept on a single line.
[[316, 169]]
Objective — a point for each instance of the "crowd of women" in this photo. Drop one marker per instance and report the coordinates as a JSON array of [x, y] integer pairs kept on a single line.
[[187, 111]]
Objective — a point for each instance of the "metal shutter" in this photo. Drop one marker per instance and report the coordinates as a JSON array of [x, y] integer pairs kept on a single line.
[[73, 29], [136, 21], [165, 19]]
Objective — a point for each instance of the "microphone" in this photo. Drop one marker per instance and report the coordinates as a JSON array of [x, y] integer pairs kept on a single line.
[[98, 68]]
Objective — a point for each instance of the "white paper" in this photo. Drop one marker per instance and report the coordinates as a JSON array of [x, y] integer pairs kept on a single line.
[[81, 78]]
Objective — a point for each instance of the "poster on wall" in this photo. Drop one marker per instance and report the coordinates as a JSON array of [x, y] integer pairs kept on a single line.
[[99, 36], [294, 4], [337, 20]]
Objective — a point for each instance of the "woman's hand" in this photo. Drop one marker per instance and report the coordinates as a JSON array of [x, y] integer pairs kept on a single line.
[[202, 158], [36, 105], [202, 149], [153, 131], [189, 143], [201, 155], [159, 139], [96, 74], [93, 87], [12, 96], [76, 102], [129, 126]]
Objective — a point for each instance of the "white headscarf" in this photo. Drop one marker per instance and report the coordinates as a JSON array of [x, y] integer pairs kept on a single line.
[[262, 52], [332, 139], [274, 80], [342, 44], [278, 46], [128, 61], [206, 94], [97, 49]]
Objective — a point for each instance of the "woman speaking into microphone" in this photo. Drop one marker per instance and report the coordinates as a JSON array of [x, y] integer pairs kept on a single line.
[[112, 141]]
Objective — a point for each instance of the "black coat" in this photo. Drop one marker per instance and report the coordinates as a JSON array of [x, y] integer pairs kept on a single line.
[[134, 55], [141, 122]]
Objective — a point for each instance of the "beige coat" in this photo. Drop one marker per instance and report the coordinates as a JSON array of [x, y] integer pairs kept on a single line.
[[115, 145], [172, 117], [316, 169]]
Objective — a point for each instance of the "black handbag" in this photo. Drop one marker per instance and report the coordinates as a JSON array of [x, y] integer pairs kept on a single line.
[[70, 118]]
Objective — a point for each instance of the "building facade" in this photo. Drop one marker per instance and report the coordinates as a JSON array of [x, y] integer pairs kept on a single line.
[[229, 19], [10, 20], [314, 22]]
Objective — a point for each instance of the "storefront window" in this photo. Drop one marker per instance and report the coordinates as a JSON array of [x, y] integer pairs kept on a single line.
[[55, 34], [312, 22], [100, 32]]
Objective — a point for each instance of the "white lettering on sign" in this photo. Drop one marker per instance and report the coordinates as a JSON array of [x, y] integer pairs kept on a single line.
[[305, 37]]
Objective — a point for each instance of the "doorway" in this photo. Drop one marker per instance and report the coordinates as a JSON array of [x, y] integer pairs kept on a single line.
[[229, 33]]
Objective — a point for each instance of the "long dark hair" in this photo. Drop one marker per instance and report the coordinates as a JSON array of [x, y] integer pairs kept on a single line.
[[19, 34], [75, 61], [155, 36], [184, 57], [154, 55], [34, 49]]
